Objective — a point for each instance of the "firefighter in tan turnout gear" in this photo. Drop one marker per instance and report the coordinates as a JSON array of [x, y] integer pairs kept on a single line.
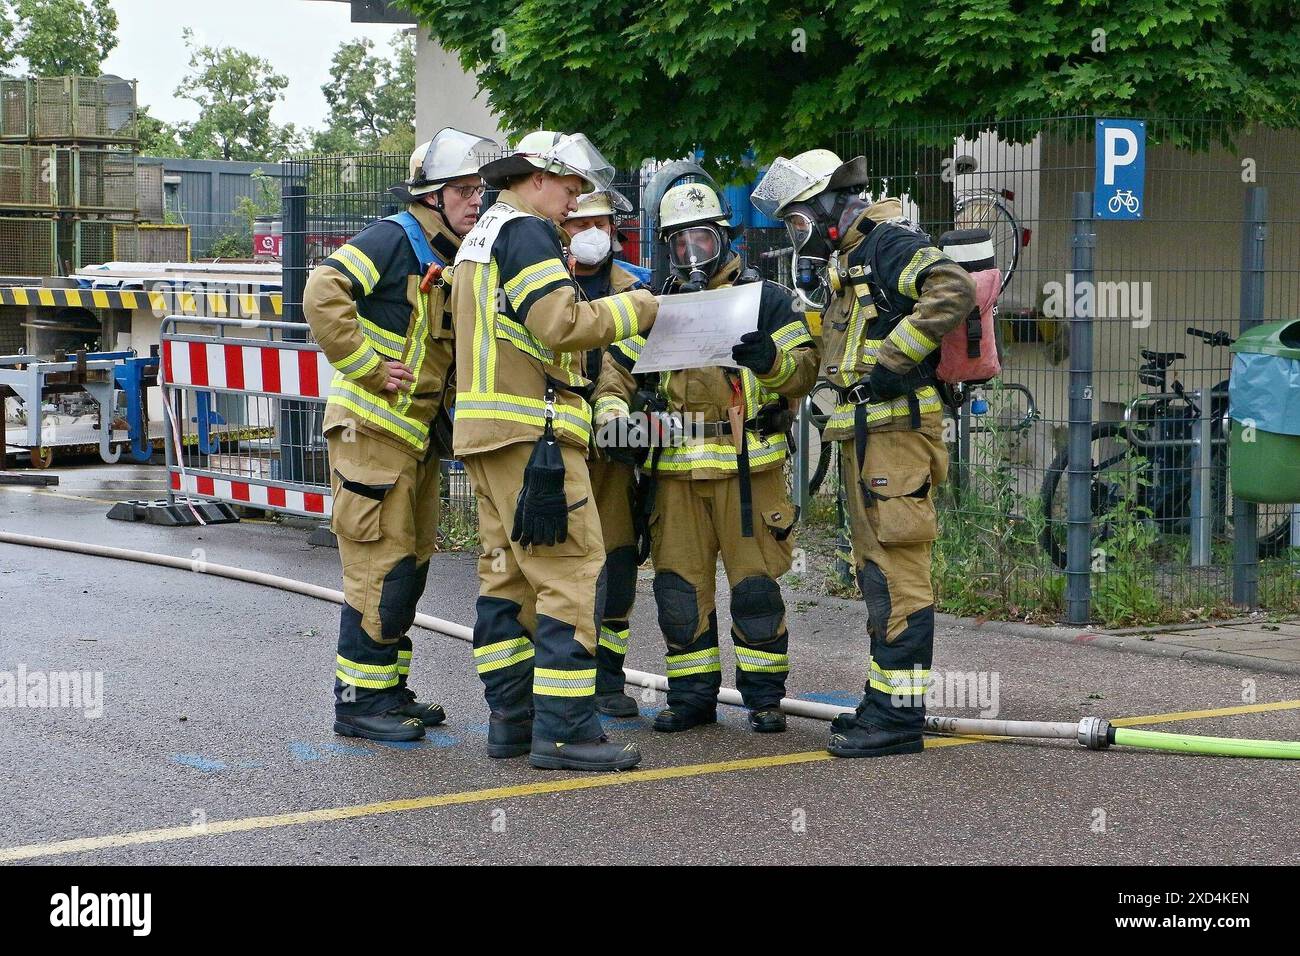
[[722, 490], [593, 241], [894, 298], [523, 427], [377, 309]]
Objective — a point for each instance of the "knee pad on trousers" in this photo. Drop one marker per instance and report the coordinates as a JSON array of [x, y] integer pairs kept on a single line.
[[875, 593], [621, 565], [757, 609], [401, 591], [679, 612]]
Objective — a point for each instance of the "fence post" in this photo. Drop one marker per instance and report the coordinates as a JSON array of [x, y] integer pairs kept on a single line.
[[1078, 584], [1245, 514], [295, 417]]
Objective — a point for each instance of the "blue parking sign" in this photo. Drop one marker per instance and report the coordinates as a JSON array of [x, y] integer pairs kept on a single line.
[[1121, 169]]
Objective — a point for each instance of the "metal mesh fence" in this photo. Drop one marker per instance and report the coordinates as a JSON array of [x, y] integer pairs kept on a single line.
[[1003, 541], [27, 178], [82, 109], [97, 180], [151, 243], [28, 247], [15, 110]]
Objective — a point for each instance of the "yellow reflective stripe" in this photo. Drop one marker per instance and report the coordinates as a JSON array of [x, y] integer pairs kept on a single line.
[[616, 641], [761, 662], [911, 341], [367, 683], [551, 682], [488, 650], [484, 360], [358, 264], [719, 455], [706, 661], [521, 338], [521, 408], [385, 342], [494, 657], [783, 372], [372, 676], [611, 405], [356, 399], [367, 668], [416, 346], [927, 399], [791, 335], [857, 329], [907, 278], [624, 315], [360, 363], [529, 280], [631, 347], [906, 681]]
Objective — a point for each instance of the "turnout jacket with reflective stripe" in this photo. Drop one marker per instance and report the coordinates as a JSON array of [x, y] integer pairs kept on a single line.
[[521, 323], [364, 305], [705, 394], [923, 296]]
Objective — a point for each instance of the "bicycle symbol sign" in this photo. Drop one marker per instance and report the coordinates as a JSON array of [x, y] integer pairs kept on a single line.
[[1121, 169]]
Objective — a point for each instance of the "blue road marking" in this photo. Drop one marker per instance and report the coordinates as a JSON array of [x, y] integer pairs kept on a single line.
[[198, 762]]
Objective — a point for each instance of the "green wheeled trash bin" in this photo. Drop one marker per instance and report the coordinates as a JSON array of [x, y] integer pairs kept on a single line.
[[1264, 403]]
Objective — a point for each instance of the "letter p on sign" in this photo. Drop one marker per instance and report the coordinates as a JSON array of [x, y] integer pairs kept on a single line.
[[1121, 169]]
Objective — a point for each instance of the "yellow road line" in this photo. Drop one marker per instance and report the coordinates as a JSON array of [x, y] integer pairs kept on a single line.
[[1196, 714], [56, 494], [167, 834]]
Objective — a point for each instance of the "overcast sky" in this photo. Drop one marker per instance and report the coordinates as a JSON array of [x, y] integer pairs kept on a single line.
[[297, 36]]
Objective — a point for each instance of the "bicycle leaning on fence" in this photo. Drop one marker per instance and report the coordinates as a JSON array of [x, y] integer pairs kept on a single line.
[[1150, 457]]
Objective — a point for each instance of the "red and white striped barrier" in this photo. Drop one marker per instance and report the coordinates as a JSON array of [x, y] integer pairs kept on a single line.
[[253, 495], [251, 364], [273, 369]]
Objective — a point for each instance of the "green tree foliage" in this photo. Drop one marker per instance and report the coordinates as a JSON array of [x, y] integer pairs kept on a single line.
[[371, 97], [234, 91], [157, 137], [56, 37], [657, 79]]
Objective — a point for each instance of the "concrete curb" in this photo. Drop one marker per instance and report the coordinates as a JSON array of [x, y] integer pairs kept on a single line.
[[1130, 643]]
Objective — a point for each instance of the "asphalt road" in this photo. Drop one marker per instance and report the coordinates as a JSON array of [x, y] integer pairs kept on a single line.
[[215, 746]]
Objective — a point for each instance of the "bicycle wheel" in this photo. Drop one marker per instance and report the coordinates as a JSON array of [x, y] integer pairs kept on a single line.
[[1105, 489], [987, 211], [825, 450]]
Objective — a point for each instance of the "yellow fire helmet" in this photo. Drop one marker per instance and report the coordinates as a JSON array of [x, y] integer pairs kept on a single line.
[[690, 204]]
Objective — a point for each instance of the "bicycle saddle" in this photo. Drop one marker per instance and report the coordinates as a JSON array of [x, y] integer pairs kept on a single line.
[[1162, 359]]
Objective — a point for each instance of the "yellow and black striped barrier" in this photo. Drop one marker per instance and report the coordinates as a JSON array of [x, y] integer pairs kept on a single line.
[[218, 304]]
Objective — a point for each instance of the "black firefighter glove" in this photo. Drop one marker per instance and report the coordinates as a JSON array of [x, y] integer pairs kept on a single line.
[[542, 513], [887, 384], [756, 351]]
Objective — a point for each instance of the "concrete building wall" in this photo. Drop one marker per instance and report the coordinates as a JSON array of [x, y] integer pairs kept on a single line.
[[446, 95]]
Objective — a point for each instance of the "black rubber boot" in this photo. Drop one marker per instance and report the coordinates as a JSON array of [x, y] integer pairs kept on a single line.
[[617, 704], [390, 725], [431, 715], [672, 721], [508, 738], [768, 720], [859, 740], [598, 754]]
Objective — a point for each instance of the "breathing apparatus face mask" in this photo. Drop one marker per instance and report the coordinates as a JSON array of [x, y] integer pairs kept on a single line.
[[810, 256], [694, 254], [591, 246]]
